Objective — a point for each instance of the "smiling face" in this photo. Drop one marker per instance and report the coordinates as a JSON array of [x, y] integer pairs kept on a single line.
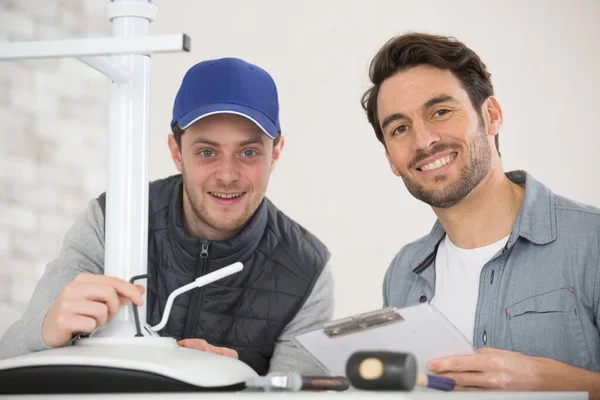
[[436, 141], [226, 161]]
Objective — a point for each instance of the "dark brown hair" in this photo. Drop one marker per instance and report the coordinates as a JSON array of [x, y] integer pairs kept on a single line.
[[412, 49], [177, 132]]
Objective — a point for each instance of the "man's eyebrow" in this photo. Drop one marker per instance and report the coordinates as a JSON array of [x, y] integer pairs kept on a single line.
[[206, 141], [391, 118], [438, 99], [251, 141], [429, 103], [240, 144]]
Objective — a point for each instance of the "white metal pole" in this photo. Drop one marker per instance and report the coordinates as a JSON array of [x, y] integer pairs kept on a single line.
[[101, 46], [130, 47], [108, 68], [127, 189]]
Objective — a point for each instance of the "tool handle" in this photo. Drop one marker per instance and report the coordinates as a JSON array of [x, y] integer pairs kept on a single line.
[[338, 383]]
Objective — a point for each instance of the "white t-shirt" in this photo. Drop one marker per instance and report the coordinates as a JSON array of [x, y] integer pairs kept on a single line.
[[457, 273]]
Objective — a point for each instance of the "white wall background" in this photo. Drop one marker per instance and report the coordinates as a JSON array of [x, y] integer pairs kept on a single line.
[[333, 177]]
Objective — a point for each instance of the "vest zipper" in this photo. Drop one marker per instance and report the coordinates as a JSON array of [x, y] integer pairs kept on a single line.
[[204, 251], [201, 268]]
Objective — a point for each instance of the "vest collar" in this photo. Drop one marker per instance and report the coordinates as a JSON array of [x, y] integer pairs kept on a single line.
[[222, 251]]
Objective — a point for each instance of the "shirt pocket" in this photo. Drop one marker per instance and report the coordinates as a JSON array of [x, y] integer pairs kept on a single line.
[[548, 325]]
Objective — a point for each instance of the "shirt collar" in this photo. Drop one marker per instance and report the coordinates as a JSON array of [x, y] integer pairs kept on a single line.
[[535, 222]]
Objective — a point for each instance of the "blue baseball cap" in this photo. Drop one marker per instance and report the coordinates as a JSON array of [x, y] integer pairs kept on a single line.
[[228, 86]]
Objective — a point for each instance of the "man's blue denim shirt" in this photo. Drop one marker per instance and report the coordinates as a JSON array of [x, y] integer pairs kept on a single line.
[[539, 295]]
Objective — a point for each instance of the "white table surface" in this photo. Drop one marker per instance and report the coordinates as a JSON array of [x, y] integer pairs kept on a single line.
[[354, 395]]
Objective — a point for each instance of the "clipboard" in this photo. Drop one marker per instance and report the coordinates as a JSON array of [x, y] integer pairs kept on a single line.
[[421, 330]]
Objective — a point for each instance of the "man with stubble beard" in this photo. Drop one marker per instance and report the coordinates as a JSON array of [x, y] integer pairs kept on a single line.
[[226, 140], [513, 266]]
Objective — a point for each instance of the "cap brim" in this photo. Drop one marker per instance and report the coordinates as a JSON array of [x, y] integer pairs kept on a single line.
[[260, 119]]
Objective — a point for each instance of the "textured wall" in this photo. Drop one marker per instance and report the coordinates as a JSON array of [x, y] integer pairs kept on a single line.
[[53, 127]]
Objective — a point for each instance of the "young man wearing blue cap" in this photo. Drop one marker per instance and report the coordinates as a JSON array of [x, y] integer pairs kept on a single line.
[[226, 141]]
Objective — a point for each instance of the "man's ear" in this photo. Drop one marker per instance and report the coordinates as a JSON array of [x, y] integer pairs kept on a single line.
[[277, 152], [492, 114], [175, 152], [392, 166]]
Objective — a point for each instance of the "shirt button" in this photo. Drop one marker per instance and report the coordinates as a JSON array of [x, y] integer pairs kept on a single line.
[[422, 299]]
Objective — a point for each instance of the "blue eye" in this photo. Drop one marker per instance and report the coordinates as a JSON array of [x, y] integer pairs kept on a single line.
[[248, 153], [207, 153]]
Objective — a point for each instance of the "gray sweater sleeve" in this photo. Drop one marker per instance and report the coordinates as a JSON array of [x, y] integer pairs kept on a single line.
[[318, 309], [82, 251]]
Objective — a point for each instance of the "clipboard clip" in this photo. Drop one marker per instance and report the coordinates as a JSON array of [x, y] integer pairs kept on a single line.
[[362, 322]]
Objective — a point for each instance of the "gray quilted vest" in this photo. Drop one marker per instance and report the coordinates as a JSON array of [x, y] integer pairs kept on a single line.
[[246, 311]]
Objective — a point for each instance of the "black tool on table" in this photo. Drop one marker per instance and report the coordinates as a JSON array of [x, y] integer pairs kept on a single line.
[[386, 370]]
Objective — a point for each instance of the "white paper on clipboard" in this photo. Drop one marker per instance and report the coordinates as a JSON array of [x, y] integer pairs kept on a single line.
[[421, 330]]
